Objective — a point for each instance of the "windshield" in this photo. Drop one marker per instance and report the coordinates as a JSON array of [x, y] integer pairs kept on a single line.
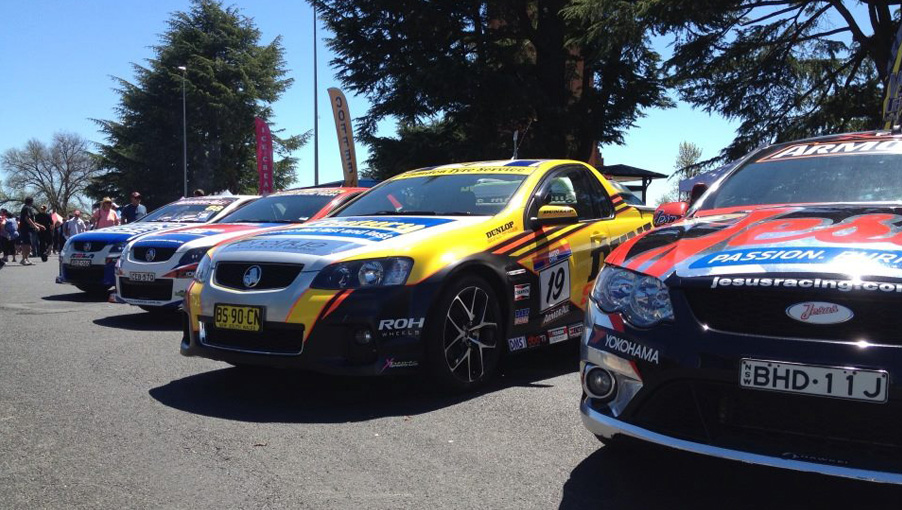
[[476, 194], [280, 209], [190, 210], [781, 178], [626, 194]]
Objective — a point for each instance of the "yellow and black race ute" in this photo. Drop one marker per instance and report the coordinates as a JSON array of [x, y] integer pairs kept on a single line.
[[444, 268]]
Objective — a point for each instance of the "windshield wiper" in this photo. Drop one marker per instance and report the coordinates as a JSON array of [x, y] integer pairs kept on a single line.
[[455, 213], [400, 213]]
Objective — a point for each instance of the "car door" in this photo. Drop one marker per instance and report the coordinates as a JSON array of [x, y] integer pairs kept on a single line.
[[562, 256]]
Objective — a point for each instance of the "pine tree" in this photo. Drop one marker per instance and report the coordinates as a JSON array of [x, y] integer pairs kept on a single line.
[[229, 79]]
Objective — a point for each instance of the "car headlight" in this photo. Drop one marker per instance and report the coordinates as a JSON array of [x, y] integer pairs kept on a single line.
[[364, 273], [193, 256], [643, 300], [117, 248], [204, 268], [66, 247]]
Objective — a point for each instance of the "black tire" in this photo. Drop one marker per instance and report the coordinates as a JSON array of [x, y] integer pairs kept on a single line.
[[464, 333], [157, 310], [94, 290]]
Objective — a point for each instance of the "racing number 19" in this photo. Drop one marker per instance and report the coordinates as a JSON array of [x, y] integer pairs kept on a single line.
[[555, 284]]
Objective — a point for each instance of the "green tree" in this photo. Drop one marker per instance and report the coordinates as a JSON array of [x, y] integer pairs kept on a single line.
[[230, 78], [687, 165], [56, 174], [785, 69], [462, 76]]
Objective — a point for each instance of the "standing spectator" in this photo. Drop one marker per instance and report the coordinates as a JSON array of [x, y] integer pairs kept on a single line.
[[28, 231], [74, 225], [105, 216], [135, 210], [57, 232], [9, 234], [199, 192], [45, 236]]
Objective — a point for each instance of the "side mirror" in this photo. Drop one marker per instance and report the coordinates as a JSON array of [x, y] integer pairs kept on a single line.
[[555, 215], [669, 212]]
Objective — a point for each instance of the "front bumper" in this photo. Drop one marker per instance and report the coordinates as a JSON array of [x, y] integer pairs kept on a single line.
[[678, 386], [607, 427], [323, 332], [95, 275]]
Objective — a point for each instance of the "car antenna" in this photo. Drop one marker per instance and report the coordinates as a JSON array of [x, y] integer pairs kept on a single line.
[[516, 135]]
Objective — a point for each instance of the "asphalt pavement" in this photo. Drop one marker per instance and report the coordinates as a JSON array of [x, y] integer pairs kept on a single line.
[[99, 410]]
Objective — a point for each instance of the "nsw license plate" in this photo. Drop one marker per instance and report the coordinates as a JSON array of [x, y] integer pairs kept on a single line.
[[80, 262], [838, 382], [242, 318], [142, 277]]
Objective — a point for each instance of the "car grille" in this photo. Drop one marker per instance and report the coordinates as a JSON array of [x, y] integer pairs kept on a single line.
[[159, 290], [840, 432], [94, 246], [92, 273], [763, 312], [273, 338], [273, 276], [162, 254]]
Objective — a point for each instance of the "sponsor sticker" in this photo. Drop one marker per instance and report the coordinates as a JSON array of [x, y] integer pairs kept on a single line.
[[557, 335], [806, 283], [521, 292], [575, 330], [370, 229], [819, 312], [630, 348], [886, 258], [401, 327], [499, 230], [516, 343], [521, 316], [392, 363], [807, 150], [536, 340], [556, 314], [552, 256]]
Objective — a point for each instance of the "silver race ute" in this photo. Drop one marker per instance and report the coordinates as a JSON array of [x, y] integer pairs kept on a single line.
[[88, 259]]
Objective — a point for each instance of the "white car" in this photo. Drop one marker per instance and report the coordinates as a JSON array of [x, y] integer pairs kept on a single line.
[[88, 259], [157, 268]]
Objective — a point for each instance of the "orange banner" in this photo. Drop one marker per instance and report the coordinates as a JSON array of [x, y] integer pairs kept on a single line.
[[345, 133]]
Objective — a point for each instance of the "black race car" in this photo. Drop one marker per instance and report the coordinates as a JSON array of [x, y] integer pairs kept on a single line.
[[765, 326]]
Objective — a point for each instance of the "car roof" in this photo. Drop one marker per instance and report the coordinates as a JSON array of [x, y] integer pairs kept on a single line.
[[842, 137]]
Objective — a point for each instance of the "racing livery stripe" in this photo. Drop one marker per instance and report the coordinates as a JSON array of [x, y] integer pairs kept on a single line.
[[509, 245], [546, 241], [334, 303]]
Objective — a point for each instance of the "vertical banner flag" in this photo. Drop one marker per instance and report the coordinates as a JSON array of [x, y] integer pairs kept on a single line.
[[345, 134], [264, 156], [892, 102]]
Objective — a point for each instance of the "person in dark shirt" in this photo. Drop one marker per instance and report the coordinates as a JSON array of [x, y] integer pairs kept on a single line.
[[44, 219], [135, 210], [28, 229]]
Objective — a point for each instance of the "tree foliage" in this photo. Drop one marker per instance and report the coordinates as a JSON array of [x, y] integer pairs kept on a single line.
[[230, 79], [56, 174], [462, 76], [785, 69]]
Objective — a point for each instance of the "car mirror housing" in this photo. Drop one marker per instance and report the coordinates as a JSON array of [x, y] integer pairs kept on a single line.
[[555, 215], [670, 212]]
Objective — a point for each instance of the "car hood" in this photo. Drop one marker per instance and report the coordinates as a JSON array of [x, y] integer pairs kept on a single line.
[[121, 233], [836, 239], [319, 243], [201, 235]]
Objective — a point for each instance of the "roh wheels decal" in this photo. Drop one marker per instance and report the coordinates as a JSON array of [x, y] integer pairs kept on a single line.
[[469, 331]]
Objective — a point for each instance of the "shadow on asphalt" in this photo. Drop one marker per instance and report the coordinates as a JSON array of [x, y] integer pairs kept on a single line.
[[78, 297], [285, 396], [633, 475], [143, 321]]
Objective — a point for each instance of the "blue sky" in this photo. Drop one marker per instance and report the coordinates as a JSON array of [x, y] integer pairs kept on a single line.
[[58, 57]]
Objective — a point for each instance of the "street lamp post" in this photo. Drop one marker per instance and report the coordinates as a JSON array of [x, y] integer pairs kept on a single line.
[[184, 133]]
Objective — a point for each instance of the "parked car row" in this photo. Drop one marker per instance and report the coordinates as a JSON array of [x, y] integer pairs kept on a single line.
[[755, 324]]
